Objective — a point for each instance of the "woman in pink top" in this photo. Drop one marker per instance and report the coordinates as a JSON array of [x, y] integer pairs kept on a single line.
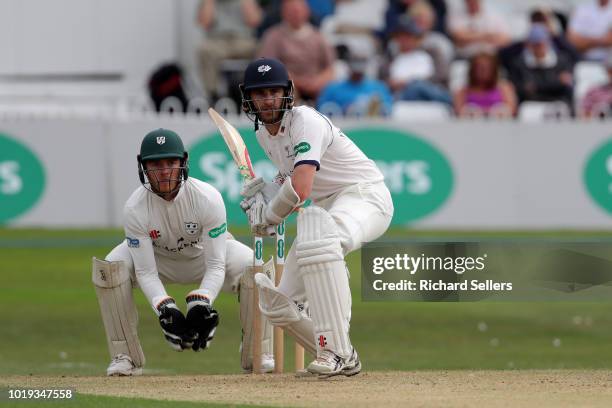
[[485, 94]]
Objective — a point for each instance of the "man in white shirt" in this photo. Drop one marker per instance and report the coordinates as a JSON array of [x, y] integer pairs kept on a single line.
[[350, 205], [176, 232], [412, 68], [590, 29], [476, 30]]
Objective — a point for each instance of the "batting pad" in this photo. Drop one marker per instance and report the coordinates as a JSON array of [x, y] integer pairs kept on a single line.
[[321, 266], [247, 287], [282, 311], [114, 291]]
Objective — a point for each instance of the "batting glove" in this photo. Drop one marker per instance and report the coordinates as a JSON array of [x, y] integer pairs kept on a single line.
[[247, 203], [255, 212], [174, 325], [202, 319], [256, 185]]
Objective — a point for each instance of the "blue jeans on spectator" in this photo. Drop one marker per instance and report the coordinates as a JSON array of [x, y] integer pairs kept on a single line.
[[422, 90]]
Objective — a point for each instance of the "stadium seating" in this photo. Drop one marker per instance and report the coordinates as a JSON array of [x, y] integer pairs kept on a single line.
[[531, 111], [331, 109], [587, 75], [458, 75], [420, 111]]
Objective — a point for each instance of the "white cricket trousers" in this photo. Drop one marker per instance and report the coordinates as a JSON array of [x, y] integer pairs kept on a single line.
[[187, 271], [362, 213]]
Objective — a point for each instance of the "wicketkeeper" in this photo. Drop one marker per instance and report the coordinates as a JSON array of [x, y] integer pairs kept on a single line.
[[351, 205], [176, 231]]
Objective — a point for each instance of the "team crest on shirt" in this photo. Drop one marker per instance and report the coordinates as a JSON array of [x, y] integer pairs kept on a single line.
[[263, 69], [154, 234], [280, 178], [289, 152], [191, 228]]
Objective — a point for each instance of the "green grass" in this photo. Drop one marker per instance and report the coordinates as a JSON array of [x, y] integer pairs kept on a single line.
[[51, 324]]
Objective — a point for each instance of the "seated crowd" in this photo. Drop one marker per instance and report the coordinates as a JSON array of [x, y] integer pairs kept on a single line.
[[360, 57]]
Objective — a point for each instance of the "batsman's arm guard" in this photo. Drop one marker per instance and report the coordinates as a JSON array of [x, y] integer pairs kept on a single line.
[[283, 204], [119, 315]]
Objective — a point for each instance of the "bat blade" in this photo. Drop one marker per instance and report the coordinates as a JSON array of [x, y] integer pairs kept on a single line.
[[235, 144]]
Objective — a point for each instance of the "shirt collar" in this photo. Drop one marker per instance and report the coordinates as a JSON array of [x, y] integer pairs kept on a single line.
[[549, 61]]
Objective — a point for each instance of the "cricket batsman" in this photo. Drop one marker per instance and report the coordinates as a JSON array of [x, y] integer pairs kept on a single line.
[[176, 231], [350, 205]]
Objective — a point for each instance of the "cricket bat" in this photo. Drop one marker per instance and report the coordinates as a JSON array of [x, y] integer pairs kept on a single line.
[[240, 154]]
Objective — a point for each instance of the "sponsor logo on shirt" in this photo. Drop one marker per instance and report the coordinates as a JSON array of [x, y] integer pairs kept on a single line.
[[181, 244], [154, 234], [191, 228], [133, 242], [215, 232], [301, 147]]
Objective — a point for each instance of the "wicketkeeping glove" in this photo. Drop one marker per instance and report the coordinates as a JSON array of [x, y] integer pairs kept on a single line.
[[202, 319], [174, 325]]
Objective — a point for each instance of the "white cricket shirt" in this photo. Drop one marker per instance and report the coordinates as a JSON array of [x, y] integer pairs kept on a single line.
[[190, 226], [307, 136], [592, 21]]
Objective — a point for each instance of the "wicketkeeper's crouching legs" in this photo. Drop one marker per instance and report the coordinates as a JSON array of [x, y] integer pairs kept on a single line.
[[114, 280], [114, 290]]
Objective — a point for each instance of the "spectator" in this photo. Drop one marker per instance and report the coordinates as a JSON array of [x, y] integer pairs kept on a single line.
[[477, 30], [358, 17], [321, 8], [302, 48], [485, 94], [552, 20], [358, 92], [357, 24], [411, 69], [542, 73], [229, 28], [598, 101], [272, 16], [398, 8], [540, 16], [590, 29], [436, 44]]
